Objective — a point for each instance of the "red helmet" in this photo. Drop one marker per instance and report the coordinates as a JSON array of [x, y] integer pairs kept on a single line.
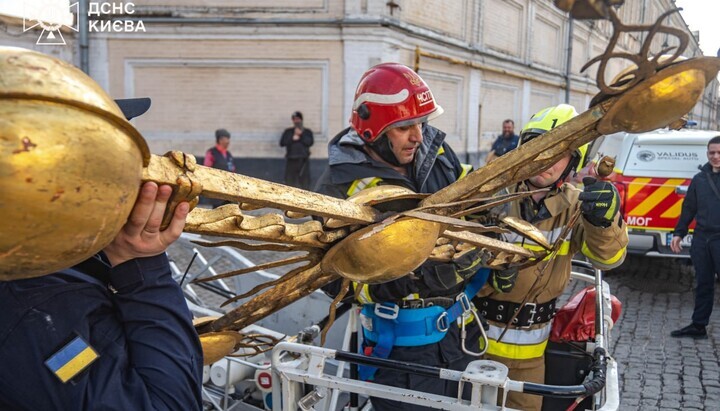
[[391, 95]]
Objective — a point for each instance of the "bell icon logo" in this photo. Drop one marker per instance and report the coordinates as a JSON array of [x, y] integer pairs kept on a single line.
[[50, 16]]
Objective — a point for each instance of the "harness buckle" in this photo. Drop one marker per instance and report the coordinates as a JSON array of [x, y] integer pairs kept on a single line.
[[533, 311], [388, 312], [442, 323], [464, 302]]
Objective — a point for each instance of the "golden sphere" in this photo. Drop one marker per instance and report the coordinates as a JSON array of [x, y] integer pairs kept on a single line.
[[70, 165]]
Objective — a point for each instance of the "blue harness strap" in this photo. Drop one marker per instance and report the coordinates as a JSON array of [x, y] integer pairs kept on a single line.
[[387, 325]]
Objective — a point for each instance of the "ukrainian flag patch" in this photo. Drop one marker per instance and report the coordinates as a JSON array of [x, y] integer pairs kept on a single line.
[[72, 359]]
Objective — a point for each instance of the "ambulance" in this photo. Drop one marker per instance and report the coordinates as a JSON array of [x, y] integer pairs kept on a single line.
[[652, 173]]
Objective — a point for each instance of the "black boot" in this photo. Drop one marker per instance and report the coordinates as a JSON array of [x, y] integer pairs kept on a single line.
[[693, 330]]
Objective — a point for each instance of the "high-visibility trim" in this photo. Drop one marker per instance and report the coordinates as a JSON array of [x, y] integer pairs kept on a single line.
[[563, 250], [362, 183], [466, 169], [364, 294], [518, 344], [635, 186], [520, 336], [656, 197], [516, 352], [441, 151], [674, 211], [610, 261]]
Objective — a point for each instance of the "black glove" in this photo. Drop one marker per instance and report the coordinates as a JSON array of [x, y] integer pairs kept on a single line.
[[439, 277], [503, 281], [600, 202]]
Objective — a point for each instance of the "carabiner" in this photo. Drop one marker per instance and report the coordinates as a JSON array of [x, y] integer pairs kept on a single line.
[[463, 334]]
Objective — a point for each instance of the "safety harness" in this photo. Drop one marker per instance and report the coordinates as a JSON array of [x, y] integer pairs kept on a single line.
[[387, 325]]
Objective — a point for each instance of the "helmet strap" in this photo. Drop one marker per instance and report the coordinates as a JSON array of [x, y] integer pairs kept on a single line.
[[383, 147]]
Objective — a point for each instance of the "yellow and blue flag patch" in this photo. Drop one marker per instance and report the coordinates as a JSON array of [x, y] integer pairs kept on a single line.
[[72, 359]]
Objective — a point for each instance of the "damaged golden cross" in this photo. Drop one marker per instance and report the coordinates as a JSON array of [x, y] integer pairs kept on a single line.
[[72, 167]]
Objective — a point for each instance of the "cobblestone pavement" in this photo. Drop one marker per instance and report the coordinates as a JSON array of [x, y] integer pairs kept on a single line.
[[657, 372]]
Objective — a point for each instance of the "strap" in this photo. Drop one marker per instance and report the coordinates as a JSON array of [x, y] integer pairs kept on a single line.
[[712, 185], [387, 326], [392, 326], [463, 303], [502, 311]]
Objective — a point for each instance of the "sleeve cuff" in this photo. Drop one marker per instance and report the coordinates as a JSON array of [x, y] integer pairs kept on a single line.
[[129, 276]]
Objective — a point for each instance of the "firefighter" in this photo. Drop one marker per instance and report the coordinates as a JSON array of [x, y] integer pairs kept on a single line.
[[390, 142], [600, 235]]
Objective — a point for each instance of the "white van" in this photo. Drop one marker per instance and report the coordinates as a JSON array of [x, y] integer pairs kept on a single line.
[[652, 174]]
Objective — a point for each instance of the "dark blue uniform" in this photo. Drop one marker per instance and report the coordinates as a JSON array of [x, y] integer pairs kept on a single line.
[[702, 204], [504, 144], [144, 353]]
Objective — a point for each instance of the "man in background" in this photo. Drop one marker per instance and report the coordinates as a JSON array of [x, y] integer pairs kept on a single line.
[[701, 203], [297, 140], [505, 142], [219, 157]]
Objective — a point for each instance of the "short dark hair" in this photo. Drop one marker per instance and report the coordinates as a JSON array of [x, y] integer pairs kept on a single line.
[[509, 121], [221, 132], [714, 140], [297, 114]]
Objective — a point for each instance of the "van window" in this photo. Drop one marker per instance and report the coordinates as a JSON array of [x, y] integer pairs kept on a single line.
[[666, 160]]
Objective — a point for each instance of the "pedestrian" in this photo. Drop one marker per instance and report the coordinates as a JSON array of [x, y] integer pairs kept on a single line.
[[219, 157], [505, 142], [390, 142], [297, 141], [113, 332], [702, 203], [600, 235]]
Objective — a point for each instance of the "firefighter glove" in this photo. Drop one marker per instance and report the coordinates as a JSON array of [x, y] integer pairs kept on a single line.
[[503, 281], [600, 202]]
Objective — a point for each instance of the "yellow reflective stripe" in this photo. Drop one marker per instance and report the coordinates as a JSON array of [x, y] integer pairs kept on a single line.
[[466, 169], [362, 183], [517, 343], [674, 211], [516, 352], [441, 150], [612, 260], [635, 186], [656, 197], [564, 248], [364, 295]]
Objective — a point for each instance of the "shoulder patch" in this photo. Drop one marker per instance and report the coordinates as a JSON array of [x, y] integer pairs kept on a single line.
[[71, 359]]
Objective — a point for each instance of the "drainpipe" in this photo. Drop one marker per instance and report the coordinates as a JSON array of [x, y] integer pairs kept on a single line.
[[568, 64], [83, 33]]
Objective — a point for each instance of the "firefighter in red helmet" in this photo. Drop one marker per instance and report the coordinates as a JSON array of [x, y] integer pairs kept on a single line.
[[390, 142]]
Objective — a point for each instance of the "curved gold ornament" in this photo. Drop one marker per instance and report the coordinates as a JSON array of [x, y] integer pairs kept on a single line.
[[383, 252], [526, 229], [216, 345], [71, 165], [657, 101]]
